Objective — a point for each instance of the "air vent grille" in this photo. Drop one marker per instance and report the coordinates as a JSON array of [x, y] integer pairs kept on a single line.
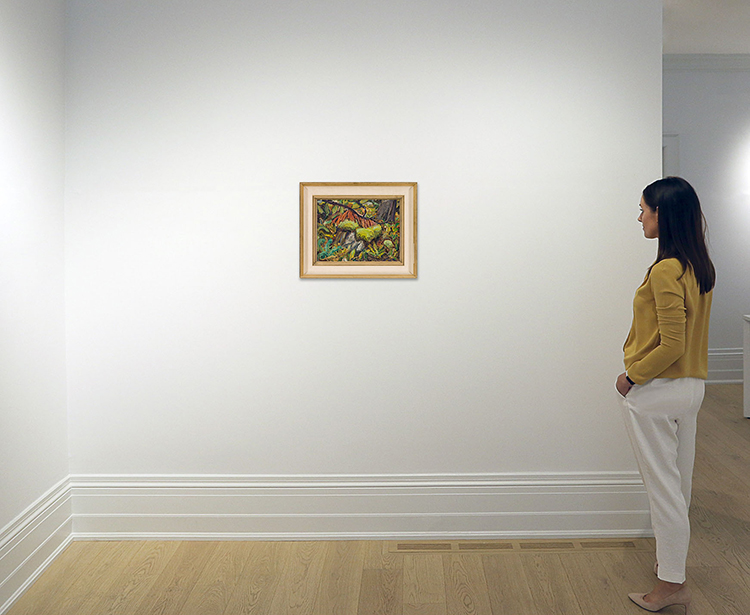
[[522, 546]]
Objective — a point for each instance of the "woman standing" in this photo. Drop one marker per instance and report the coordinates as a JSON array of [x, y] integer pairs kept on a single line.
[[666, 362]]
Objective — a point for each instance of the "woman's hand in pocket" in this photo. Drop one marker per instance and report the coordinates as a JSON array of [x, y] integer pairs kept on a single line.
[[622, 385]]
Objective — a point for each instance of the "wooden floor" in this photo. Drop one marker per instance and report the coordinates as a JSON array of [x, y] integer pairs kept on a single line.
[[557, 577]]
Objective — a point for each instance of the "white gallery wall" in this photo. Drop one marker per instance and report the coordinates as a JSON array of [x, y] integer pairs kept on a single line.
[[32, 329], [707, 115], [197, 358], [33, 422]]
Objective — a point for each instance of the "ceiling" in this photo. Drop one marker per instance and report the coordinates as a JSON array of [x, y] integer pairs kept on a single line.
[[707, 26]]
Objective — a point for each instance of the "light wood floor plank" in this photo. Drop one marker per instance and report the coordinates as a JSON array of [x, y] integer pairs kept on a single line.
[[381, 592], [341, 581], [110, 558], [303, 569], [172, 589], [135, 579], [425, 609], [508, 587], [724, 535], [219, 579], [592, 585], [703, 551], [379, 557], [725, 403], [700, 603], [259, 581], [722, 591], [424, 583], [626, 572], [465, 585], [726, 444], [715, 474], [549, 584]]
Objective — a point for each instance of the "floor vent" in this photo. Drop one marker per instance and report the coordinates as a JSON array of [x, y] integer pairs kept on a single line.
[[523, 546], [613, 545], [547, 546], [484, 546], [424, 546]]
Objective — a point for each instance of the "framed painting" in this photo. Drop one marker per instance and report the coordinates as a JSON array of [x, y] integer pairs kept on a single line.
[[358, 230]]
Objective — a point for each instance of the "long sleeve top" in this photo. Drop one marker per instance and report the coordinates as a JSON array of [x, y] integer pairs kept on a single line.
[[669, 334]]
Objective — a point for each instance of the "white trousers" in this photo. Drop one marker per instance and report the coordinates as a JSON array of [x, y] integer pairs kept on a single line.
[[660, 417]]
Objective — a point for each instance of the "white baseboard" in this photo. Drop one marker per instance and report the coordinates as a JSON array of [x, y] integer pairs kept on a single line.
[[359, 507], [725, 366], [707, 61], [32, 541]]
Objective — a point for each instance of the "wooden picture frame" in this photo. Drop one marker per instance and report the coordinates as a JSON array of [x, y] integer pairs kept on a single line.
[[358, 230]]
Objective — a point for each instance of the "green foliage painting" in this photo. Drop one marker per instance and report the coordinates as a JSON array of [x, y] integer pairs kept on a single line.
[[358, 229]]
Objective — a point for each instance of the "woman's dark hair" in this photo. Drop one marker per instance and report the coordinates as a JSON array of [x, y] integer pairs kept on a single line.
[[682, 228]]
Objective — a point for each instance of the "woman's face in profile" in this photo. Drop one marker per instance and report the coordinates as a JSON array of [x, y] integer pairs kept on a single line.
[[649, 218]]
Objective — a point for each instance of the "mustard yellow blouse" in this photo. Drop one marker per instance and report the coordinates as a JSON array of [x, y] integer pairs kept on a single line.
[[669, 334]]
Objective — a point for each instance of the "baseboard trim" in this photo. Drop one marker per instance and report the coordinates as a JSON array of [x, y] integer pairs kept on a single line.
[[33, 540], [725, 366], [383, 536], [359, 507], [706, 61]]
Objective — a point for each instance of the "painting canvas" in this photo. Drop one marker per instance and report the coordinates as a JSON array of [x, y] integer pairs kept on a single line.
[[358, 230]]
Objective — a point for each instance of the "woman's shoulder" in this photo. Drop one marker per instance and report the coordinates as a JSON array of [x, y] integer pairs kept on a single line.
[[670, 274], [669, 267]]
